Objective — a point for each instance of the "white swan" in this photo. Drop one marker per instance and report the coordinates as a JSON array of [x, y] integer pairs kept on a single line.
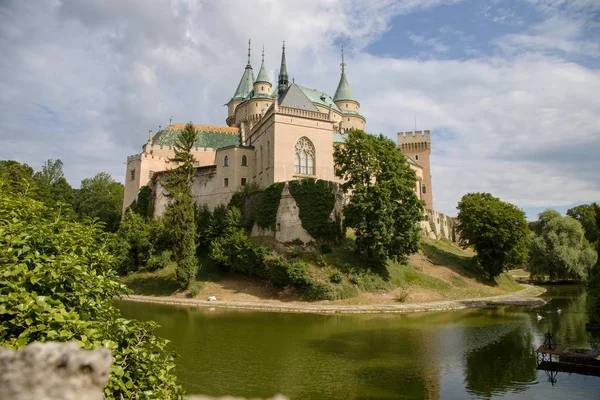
[[539, 317], [558, 310]]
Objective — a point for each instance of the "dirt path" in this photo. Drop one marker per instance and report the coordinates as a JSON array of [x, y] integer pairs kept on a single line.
[[526, 297]]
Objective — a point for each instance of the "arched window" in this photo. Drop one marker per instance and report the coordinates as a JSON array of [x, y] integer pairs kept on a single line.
[[416, 157], [424, 189], [304, 157], [244, 161], [226, 161]]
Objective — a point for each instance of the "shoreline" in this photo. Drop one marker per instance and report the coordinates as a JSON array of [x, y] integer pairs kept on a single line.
[[525, 297]]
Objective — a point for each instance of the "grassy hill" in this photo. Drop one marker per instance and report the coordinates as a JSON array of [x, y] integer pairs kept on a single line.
[[439, 271]]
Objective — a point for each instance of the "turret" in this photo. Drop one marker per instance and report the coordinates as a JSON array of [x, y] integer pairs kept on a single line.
[[282, 81], [243, 88], [417, 146], [262, 86], [347, 103]]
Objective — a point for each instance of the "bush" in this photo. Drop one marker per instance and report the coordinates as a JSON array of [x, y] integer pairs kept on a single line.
[[336, 277], [296, 251], [159, 261], [236, 252], [58, 283], [195, 289], [326, 248]]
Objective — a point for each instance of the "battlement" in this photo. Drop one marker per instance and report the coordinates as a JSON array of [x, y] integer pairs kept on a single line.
[[414, 137]]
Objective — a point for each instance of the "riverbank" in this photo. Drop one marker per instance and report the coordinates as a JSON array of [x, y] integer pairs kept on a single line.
[[525, 297]]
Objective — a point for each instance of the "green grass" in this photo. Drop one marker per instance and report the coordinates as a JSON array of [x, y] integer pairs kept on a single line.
[[157, 283], [442, 252]]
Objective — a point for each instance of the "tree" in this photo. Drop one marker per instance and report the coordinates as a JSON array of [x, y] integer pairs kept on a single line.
[[559, 248], [58, 284], [384, 208], [496, 230], [17, 175], [587, 215], [100, 197], [179, 215], [51, 185]]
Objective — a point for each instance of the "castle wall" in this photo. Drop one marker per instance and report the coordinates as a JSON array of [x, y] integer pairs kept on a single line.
[[436, 225]]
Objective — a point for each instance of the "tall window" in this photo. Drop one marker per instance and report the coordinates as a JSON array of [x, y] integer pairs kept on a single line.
[[304, 157], [244, 161], [423, 189], [268, 154], [262, 165], [132, 174], [226, 161]]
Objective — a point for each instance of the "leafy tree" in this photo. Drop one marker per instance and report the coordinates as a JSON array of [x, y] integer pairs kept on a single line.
[[496, 230], [587, 215], [559, 248], [142, 204], [179, 215], [51, 185], [134, 235], [100, 197], [384, 208], [58, 284], [17, 175]]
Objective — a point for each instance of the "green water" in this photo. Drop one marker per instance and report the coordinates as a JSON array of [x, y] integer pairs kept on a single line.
[[449, 355]]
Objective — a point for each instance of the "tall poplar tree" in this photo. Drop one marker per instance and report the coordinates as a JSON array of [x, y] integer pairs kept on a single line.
[[179, 215]]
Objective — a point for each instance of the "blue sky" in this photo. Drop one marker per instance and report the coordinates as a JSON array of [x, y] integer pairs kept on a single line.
[[509, 89]]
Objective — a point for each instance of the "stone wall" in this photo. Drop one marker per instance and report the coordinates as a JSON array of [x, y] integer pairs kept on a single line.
[[437, 225]]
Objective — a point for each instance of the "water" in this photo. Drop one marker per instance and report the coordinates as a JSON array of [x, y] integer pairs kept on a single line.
[[448, 355]]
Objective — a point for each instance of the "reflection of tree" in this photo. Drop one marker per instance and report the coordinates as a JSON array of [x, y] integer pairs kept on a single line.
[[497, 366], [568, 327]]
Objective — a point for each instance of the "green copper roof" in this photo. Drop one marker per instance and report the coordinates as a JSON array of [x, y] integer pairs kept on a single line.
[[262, 73], [320, 98], [343, 91], [294, 97], [209, 136], [339, 137], [247, 81], [411, 161]]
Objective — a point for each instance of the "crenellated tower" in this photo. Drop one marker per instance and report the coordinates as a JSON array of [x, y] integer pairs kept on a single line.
[[417, 146]]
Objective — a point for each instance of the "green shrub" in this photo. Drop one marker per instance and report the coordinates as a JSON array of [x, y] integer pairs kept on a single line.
[[284, 273], [195, 288], [267, 204], [321, 261], [336, 277], [296, 251], [326, 248], [159, 261], [316, 291], [58, 284], [236, 252]]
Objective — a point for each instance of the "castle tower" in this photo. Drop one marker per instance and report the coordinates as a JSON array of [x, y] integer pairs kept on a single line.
[[243, 88], [282, 81], [417, 146], [347, 103], [262, 86]]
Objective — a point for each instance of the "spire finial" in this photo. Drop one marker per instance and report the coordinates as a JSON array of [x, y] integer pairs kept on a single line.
[[343, 64], [248, 51], [283, 76], [263, 54]]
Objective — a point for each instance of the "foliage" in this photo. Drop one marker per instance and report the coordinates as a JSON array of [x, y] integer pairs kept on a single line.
[[496, 230], [100, 197], [326, 248], [51, 186], [160, 260], [179, 217], [243, 199], [316, 200], [559, 248], [134, 236], [17, 175], [143, 203], [336, 277], [58, 283], [284, 273], [203, 221], [384, 208], [267, 204], [587, 215], [593, 295]]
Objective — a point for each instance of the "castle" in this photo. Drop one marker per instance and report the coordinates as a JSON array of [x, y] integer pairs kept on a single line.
[[274, 133]]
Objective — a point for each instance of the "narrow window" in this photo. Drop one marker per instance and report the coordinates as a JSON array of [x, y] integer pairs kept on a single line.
[[226, 161], [244, 161], [297, 163], [243, 181], [132, 174], [226, 182], [423, 189], [262, 165], [268, 154], [416, 157]]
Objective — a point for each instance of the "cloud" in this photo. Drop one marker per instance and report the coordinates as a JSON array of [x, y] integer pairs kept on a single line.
[[83, 81]]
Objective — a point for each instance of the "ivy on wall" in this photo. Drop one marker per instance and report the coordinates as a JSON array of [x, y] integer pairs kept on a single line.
[[316, 200], [258, 205]]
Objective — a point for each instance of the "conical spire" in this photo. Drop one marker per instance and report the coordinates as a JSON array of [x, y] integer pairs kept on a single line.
[[282, 81], [343, 91], [245, 85], [262, 73]]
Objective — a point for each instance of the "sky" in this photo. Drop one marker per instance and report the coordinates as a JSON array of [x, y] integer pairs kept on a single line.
[[510, 89]]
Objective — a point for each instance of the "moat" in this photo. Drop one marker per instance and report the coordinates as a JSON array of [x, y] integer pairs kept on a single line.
[[476, 353]]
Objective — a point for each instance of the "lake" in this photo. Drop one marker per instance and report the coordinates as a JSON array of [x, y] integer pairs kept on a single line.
[[477, 353]]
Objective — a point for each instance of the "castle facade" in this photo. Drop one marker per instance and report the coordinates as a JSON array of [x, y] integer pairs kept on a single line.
[[275, 132]]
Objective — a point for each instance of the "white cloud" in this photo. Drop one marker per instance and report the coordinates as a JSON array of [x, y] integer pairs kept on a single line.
[[84, 81]]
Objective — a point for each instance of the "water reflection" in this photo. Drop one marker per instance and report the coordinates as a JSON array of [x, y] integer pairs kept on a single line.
[[450, 355]]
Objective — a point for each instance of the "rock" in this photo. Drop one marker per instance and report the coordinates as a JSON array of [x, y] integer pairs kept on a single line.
[[52, 371], [212, 298]]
